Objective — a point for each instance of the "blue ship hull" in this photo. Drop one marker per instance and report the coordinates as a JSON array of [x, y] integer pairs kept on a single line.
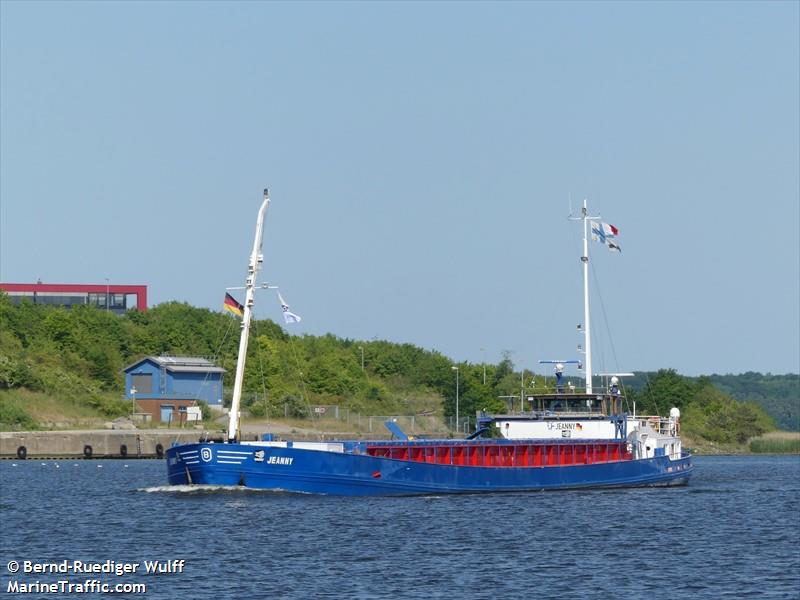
[[349, 474]]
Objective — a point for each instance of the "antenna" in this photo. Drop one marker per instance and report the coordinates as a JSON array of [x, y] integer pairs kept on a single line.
[[615, 374], [263, 286], [559, 362]]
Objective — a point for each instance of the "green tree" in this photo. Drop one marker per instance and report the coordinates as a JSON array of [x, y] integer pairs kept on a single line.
[[664, 390]]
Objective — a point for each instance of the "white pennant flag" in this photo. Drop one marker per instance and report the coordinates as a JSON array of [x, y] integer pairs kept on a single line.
[[288, 315]]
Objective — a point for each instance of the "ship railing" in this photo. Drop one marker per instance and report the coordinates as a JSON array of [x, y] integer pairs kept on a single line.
[[558, 414], [662, 425], [571, 414]]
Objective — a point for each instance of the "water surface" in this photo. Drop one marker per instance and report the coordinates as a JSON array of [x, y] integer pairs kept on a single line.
[[732, 533]]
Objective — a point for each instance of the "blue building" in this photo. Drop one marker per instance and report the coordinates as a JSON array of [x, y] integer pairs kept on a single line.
[[172, 382]]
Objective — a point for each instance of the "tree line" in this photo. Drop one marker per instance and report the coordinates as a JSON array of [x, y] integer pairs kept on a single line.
[[80, 353]]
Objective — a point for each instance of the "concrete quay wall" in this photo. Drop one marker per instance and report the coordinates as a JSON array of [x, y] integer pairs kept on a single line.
[[104, 443]]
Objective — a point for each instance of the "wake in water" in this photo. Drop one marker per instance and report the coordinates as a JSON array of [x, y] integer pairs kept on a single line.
[[206, 489]]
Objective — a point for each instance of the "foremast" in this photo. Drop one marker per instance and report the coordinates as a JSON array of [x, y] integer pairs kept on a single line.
[[256, 259]]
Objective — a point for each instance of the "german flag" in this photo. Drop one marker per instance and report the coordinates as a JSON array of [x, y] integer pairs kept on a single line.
[[232, 306]]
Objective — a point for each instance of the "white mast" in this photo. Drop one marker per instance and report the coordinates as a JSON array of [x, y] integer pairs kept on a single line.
[[587, 330], [256, 258], [587, 338]]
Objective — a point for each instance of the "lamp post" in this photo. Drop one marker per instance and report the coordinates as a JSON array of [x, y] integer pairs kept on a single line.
[[456, 370], [362, 356], [107, 290], [133, 400], [483, 360]]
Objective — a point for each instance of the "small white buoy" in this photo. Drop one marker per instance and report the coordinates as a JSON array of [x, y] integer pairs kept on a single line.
[[13, 464], [44, 464], [58, 466], [99, 466], [126, 466]]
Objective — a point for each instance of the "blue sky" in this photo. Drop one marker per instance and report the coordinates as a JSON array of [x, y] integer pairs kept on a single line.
[[420, 158]]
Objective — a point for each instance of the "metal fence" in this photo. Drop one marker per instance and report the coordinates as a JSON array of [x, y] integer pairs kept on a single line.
[[411, 424]]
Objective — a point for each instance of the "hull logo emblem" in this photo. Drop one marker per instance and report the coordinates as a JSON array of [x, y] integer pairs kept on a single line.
[[205, 454]]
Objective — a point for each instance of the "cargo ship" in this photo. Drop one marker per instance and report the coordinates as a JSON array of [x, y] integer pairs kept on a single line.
[[566, 440]]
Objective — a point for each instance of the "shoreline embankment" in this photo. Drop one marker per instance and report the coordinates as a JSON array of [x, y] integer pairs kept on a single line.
[[96, 443]]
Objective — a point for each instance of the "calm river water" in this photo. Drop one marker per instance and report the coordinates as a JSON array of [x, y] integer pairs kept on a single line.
[[734, 532]]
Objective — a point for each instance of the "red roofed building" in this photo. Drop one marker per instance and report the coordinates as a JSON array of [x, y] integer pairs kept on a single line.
[[112, 297]]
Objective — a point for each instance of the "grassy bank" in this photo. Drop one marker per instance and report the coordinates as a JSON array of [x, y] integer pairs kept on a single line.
[[22, 409], [25, 410], [776, 442]]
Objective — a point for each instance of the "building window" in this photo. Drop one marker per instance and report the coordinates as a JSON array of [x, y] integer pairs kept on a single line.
[[117, 300], [97, 300], [65, 300]]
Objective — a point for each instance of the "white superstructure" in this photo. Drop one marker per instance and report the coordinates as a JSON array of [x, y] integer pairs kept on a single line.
[[645, 434]]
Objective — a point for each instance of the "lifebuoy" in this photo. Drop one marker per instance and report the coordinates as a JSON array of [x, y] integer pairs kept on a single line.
[[87, 451], [22, 452], [159, 451], [123, 451]]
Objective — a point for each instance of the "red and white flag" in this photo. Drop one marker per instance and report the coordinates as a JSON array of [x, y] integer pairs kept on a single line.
[[605, 233]]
